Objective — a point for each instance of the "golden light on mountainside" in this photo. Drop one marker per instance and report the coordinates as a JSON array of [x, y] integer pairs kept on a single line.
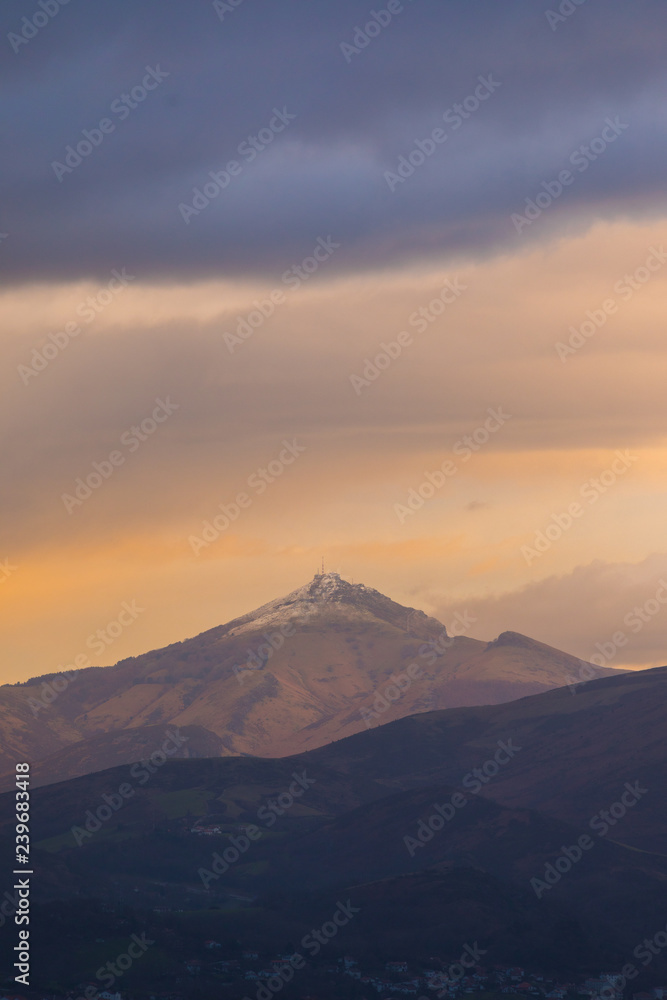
[[494, 347]]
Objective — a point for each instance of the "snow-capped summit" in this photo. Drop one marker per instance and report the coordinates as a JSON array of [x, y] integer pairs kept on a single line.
[[328, 595]]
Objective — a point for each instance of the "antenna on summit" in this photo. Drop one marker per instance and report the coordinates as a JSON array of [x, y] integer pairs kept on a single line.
[[322, 565]]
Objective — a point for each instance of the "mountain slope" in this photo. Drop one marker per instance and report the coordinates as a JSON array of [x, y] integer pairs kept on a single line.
[[577, 751], [126, 746], [297, 673], [343, 822]]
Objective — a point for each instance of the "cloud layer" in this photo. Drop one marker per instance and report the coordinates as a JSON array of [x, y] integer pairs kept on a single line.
[[354, 119], [614, 614], [331, 289]]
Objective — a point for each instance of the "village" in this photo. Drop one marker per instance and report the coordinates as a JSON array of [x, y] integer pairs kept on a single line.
[[437, 979]]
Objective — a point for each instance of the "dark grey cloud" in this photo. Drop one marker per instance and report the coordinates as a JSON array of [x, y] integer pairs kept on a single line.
[[324, 173], [614, 612]]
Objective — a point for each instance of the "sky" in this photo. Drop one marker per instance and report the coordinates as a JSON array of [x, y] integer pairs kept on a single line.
[[284, 281]]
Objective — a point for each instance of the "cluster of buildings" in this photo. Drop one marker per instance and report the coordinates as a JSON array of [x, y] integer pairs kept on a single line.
[[426, 982], [207, 830], [438, 982], [434, 980]]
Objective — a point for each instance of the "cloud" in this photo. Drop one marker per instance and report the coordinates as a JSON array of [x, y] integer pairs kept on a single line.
[[324, 173], [614, 610], [285, 380]]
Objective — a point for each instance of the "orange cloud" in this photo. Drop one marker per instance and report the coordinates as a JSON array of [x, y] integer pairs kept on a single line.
[[495, 345]]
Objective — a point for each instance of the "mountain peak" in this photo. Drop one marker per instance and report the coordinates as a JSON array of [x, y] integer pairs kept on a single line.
[[294, 674], [519, 641], [327, 595], [332, 587]]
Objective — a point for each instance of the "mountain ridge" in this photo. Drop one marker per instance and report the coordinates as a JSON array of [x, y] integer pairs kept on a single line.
[[416, 846], [296, 673]]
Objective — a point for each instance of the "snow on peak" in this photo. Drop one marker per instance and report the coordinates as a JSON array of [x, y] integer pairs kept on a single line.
[[329, 590], [330, 587]]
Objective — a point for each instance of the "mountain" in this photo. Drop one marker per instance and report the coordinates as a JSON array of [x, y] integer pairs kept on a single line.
[[329, 660], [577, 752], [440, 829], [126, 746]]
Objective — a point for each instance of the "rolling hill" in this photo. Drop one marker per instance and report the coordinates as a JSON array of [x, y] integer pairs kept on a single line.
[[250, 850]]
